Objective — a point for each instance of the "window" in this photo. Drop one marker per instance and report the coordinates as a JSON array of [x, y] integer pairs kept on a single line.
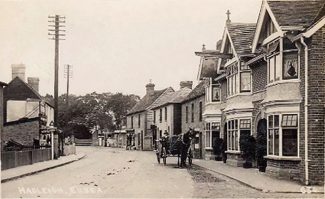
[[160, 115], [139, 120], [282, 60], [287, 131], [186, 114], [232, 135], [236, 128], [245, 82], [154, 116], [289, 126], [273, 137], [212, 130], [238, 80], [200, 111], [207, 135], [192, 113], [165, 113], [215, 93], [131, 122]]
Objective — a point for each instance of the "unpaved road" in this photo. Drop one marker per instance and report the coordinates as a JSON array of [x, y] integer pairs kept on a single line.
[[116, 173]]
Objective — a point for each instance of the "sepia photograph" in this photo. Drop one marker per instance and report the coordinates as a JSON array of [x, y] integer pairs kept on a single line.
[[162, 98]]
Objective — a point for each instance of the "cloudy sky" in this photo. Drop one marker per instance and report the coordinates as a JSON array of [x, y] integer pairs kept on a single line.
[[115, 45]]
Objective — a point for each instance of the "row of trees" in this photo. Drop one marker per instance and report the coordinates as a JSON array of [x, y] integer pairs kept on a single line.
[[105, 110]]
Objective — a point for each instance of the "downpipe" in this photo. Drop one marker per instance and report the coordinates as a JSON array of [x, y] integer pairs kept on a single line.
[[306, 111]]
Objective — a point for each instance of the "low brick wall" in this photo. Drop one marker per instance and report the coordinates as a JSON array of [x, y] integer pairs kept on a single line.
[[12, 159], [283, 169], [23, 132], [235, 159]]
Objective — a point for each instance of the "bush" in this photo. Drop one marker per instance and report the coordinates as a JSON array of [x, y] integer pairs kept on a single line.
[[217, 148], [261, 143], [247, 146]]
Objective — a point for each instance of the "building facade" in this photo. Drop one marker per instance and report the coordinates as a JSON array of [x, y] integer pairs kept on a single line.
[[140, 118]]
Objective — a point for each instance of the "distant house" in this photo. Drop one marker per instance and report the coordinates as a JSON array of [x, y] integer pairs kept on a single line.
[[192, 116], [168, 111], [26, 113], [140, 117]]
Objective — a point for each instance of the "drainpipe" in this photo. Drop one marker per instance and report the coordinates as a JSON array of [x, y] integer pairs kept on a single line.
[[306, 110]]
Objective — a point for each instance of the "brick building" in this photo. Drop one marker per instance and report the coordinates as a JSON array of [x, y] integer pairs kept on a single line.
[[192, 117], [167, 112], [271, 79], [288, 69], [140, 117], [26, 113]]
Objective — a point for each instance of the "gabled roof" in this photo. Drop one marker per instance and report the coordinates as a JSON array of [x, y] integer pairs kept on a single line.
[[173, 97], [198, 91], [17, 87], [295, 13], [146, 101], [3, 84], [241, 35]]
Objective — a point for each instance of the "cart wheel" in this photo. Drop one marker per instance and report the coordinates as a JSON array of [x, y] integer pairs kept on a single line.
[[190, 157], [158, 157], [164, 155]]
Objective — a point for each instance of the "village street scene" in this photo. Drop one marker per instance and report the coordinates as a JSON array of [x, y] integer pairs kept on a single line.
[[162, 99]]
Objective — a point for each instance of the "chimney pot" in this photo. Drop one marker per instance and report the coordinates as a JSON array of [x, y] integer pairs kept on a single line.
[[33, 82], [18, 70], [186, 84]]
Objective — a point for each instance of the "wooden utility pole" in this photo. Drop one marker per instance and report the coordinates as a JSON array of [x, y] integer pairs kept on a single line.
[[56, 23], [68, 75]]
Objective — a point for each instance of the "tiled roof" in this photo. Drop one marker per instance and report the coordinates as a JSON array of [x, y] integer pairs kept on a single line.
[[146, 101], [198, 91], [296, 12], [174, 97], [242, 36]]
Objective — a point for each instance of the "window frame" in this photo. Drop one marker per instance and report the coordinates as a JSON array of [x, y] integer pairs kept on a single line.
[[210, 131], [186, 114], [166, 114], [192, 112], [281, 141], [139, 120], [160, 115], [200, 111], [234, 131]]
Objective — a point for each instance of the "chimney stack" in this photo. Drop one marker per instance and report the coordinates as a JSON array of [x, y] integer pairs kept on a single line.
[[18, 70], [186, 84], [150, 87], [33, 82]]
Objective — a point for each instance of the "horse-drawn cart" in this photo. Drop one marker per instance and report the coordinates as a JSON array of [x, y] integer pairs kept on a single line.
[[175, 146]]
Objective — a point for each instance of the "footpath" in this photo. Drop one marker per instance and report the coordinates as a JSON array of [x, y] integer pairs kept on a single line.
[[22, 171], [257, 180]]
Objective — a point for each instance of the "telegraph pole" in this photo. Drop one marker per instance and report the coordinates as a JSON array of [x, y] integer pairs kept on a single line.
[[56, 33], [68, 75]]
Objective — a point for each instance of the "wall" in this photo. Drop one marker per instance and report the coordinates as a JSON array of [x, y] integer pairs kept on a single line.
[[1, 110], [197, 123], [165, 125], [17, 109], [316, 110], [21, 131]]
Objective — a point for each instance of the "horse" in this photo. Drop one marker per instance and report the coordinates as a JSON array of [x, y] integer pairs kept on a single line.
[[184, 143]]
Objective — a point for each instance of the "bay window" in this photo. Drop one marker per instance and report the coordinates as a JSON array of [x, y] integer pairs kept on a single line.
[[238, 80], [286, 133], [236, 128], [282, 56]]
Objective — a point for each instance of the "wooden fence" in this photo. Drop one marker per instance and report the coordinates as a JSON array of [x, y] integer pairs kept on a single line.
[[12, 159]]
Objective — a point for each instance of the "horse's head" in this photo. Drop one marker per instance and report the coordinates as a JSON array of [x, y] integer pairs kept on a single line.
[[192, 133]]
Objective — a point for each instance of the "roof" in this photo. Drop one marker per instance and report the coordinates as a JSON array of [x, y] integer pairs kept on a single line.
[[146, 101], [16, 83], [242, 35], [173, 97], [198, 91], [296, 13], [3, 84]]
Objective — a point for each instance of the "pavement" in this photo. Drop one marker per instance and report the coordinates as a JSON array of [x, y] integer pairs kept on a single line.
[[22, 171], [257, 180]]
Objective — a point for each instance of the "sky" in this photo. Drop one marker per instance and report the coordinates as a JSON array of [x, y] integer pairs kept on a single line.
[[115, 45]]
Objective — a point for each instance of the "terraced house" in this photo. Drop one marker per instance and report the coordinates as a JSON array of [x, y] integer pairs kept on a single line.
[[168, 111], [270, 81], [140, 117]]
